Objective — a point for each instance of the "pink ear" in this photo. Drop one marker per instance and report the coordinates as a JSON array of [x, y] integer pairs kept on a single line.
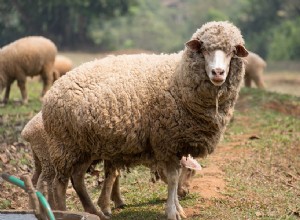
[[190, 162], [241, 51], [194, 45]]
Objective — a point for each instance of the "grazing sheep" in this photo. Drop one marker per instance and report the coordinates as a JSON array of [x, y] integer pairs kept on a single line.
[[145, 109], [29, 56], [254, 68], [35, 134], [62, 65]]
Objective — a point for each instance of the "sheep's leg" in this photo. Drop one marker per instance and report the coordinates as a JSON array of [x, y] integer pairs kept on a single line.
[[173, 208], [247, 80], [77, 179], [48, 178], [258, 79], [22, 86], [7, 91], [60, 185], [37, 169], [111, 174], [116, 194]]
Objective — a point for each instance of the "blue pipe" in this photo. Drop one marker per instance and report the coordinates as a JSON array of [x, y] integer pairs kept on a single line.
[[14, 180]]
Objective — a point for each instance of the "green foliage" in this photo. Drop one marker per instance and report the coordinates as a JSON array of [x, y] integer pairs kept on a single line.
[[286, 41], [270, 27]]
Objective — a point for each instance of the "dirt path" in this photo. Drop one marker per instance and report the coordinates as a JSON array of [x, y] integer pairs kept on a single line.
[[210, 181]]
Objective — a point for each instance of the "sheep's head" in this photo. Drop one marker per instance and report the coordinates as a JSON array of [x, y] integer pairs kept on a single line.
[[217, 61]]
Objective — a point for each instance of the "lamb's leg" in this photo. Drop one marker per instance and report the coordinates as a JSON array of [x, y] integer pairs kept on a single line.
[[77, 179], [60, 185], [111, 174], [37, 169], [48, 178], [116, 194], [173, 208]]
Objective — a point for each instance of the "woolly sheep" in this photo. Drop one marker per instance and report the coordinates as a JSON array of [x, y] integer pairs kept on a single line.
[[62, 65], [254, 68], [35, 134], [145, 109], [29, 56]]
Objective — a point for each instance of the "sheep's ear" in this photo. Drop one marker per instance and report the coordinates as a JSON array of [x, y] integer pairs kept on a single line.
[[194, 45], [241, 51]]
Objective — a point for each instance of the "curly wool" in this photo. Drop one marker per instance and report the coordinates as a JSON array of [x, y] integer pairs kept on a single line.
[[221, 35], [141, 107], [35, 134]]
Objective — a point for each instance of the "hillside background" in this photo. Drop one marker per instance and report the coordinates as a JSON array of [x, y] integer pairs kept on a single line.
[[270, 27]]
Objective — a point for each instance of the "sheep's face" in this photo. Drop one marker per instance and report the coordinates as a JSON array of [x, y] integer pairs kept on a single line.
[[217, 62], [217, 65]]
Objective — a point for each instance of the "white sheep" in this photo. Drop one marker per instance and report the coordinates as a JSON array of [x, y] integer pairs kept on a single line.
[[28, 56], [145, 109], [254, 68]]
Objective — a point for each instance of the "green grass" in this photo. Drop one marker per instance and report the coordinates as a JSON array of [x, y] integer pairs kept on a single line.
[[263, 184]]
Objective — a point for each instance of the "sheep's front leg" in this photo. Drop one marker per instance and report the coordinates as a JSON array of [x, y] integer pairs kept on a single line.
[[173, 208], [111, 173]]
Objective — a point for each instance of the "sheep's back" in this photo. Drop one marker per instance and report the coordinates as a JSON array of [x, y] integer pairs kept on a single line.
[[29, 54], [106, 102]]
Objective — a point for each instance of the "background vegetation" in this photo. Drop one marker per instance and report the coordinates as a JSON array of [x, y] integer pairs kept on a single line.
[[270, 27]]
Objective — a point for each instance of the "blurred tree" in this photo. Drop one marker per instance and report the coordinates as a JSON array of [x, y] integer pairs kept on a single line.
[[65, 22], [268, 23]]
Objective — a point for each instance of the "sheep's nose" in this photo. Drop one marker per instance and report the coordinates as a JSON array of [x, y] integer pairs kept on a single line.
[[218, 72]]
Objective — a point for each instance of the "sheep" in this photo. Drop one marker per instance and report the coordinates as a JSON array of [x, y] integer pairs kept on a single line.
[[28, 56], [254, 68], [145, 109], [44, 171], [62, 65], [35, 134]]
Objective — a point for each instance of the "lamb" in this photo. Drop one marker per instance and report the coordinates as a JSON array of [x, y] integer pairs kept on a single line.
[[254, 68], [35, 134], [29, 56], [62, 65], [145, 109]]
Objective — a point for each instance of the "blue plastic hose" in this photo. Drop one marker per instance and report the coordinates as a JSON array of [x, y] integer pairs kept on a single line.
[[14, 180]]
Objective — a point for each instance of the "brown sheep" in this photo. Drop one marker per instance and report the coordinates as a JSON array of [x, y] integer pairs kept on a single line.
[[29, 56], [62, 65], [145, 109], [254, 68]]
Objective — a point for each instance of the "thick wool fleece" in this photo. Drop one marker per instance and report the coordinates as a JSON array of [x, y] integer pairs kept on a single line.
[[35, 134], [62, 64], [142, 107]]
